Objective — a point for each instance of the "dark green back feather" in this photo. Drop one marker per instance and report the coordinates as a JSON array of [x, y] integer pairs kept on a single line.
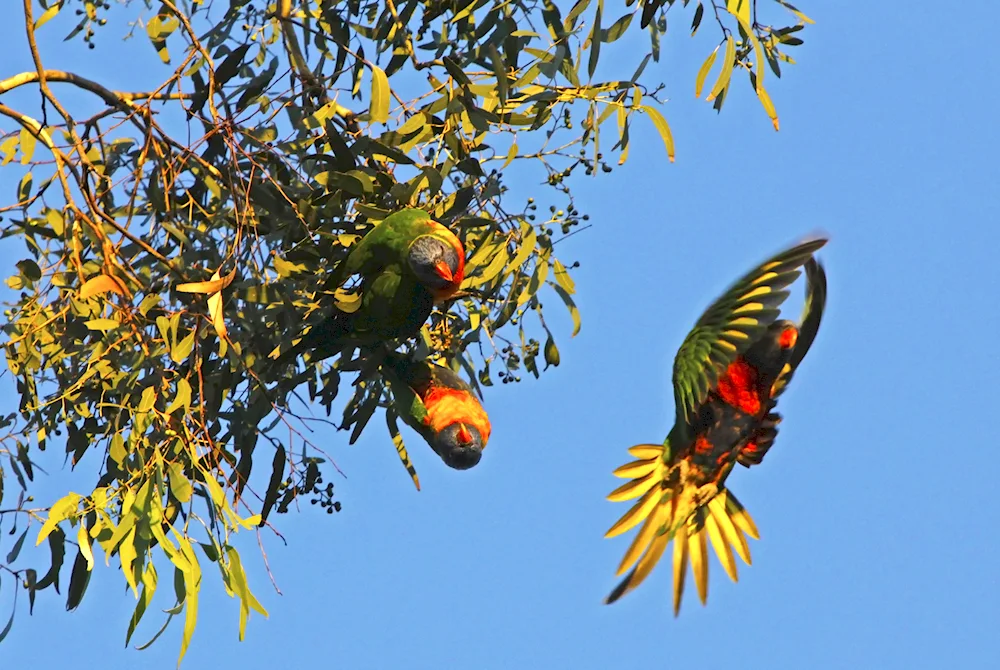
[[812, 315]]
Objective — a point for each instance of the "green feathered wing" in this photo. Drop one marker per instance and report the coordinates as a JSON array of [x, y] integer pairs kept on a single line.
[[729, 327]]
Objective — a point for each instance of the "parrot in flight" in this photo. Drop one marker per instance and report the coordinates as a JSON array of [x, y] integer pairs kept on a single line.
[[407, 263], [441, 407], [727, 377]]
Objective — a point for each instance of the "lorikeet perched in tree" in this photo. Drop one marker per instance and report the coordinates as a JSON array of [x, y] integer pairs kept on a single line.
[[441, 407], [407, 263], [727, 377]]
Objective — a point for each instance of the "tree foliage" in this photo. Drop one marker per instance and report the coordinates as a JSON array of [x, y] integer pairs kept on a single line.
[[177, 239]]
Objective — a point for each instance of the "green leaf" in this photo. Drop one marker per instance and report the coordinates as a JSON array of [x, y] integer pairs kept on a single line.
[[6, 629], [29, 269], [231, 65], [455, 70], [79, 578], [57, 554], [380, 96], [617, 29], [12, 554], [500, 72], [699, 13], [595, 41], [24, 188], [579, 8], [277, 475]]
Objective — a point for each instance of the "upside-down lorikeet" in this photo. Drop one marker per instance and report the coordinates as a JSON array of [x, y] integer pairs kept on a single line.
[[444, 411], [407, 262], [727, 376]]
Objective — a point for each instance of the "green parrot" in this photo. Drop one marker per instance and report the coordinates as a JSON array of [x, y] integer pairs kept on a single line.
[[407, 263], [727, 376], [441, 407]]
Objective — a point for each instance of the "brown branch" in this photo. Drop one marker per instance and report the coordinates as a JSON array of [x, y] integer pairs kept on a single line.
[[116, 98]]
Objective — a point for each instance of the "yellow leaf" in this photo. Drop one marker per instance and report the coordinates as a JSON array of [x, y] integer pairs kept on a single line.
[[182, 399], [215, 312], [727, 70], [765, 99], [529, 238], [217, 283], [27, 141], [537, 280], [380, 94], [397, 441], [61, 510], [663, 128], [83, 539], [562, 276], [740, 9], [101, 324], [347, 301], [47, 15], [510, 155], [127, 556], [99, 285], [703, 71]]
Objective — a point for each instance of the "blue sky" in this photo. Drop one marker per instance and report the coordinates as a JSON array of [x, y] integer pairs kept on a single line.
[[875, 507]]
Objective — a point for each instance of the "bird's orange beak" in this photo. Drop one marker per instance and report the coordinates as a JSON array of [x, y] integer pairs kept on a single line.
[[444, 271], [464, 435], [788, 338]]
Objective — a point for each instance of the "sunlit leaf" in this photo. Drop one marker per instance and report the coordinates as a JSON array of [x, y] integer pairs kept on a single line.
[[380, 96], [727, 70], [663, 128]]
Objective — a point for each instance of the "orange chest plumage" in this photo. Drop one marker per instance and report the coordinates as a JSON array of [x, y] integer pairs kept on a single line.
[[738, 386], [448, 406]]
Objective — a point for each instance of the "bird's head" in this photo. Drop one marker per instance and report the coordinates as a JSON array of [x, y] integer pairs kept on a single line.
[[438, 262], [460, 445]]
